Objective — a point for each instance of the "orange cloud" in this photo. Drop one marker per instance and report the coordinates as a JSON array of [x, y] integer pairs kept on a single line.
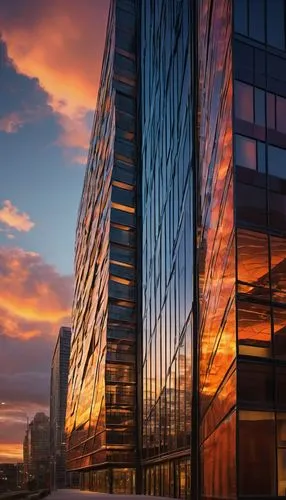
[[11, 452], [11, 217], [34, 299], [62, 48]]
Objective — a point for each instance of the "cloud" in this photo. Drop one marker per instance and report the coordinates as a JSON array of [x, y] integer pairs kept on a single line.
[[62, 48], [11, 217], [11, 123], [11, 452], [20, 389], [34, 298]]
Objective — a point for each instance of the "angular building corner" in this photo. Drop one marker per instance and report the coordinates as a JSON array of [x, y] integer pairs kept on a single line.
[[101, 406], [177, 375]]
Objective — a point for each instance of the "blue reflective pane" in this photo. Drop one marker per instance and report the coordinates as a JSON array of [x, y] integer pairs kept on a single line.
[[240, 16], [245, 150], [259, 107], [277, 162], [257, 20], [275, 23]]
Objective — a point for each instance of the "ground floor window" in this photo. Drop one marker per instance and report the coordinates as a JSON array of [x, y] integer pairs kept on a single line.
[[169, 479]]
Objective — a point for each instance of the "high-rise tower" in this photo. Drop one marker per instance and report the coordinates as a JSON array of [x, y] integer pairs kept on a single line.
[[101, 411], [58, 401], [182, 237]]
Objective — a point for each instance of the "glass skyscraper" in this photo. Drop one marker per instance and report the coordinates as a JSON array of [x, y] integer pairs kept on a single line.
[[206, 290], [167, 245], [58, 402], [101, 410]]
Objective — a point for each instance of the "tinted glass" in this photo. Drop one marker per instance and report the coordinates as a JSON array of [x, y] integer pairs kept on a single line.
[[275, 23], [279, 329], [256, 20], [281, 387], [254, 329], [278, 267], [240, 16], [243, 101], [281, 471], [255, 384], [281, 429], [271, 111], [245, 150], [257, 474], [281, 114], [277, 162], [252, 258], [259, 107], [261, 160]]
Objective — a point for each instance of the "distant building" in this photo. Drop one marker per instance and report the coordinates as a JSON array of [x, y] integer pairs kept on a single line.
[[58, 399], [11, 477], [37, 452], [26, 457]]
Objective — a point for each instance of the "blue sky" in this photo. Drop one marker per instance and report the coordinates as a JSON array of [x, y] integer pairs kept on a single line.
[[50, 63], [37, 175]]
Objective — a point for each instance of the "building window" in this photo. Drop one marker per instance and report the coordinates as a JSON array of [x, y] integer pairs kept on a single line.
[[271, 111], [245, 152], [257, 453], [281, 114], [251, 104], [254, 329], [257, 20], [275, 23], [244, 101], [281, 453], [261, 157], [241, 16], [259, 107], [277, 162], [249, 20]]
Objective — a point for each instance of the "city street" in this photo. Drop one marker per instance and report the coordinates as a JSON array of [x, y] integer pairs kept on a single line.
[[70, 494]]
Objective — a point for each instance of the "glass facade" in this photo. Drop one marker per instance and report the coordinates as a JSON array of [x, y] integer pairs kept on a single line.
[[241, 233], [259, 131], [58, 401], [178, 368], [167, 241], [101, 407], [216, 252]]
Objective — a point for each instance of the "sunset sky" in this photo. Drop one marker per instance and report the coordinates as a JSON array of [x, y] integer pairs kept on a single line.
[[50, 61]]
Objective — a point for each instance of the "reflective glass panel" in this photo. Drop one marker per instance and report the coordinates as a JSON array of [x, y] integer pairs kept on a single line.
[[254, 329], [257, 20], [243, 94], [281, 114], [245, 150], [278, 268], [257, 474], [279, 328], [277, 161], [276, 23], [259, 107], [252, 258]]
